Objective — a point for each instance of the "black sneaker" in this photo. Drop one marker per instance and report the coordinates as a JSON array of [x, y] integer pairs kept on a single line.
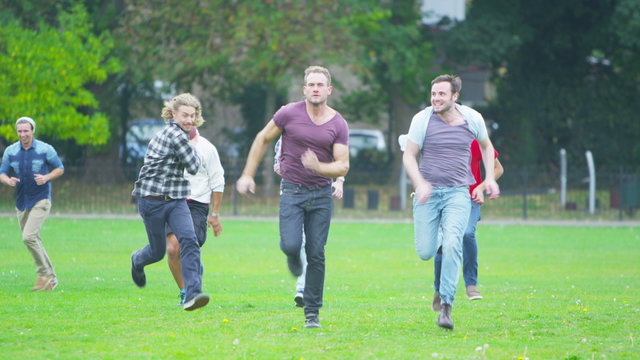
[[196, 302], [295, 265], [312, 320], [137, 274]]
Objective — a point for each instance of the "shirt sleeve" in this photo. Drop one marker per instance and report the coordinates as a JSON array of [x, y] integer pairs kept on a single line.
[[215, 171], [187, 153], [53, 159], [4, 167]]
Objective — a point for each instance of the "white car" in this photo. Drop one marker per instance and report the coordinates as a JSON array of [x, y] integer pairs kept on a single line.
[[361, 139]]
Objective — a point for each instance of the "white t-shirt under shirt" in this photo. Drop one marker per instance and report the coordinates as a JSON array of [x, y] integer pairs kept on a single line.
[[210, 175]]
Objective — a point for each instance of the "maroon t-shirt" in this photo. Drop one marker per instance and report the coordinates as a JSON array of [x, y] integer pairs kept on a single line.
[[299, 133]]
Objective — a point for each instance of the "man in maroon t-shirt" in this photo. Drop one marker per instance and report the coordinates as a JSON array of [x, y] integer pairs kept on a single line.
[[315, 149]]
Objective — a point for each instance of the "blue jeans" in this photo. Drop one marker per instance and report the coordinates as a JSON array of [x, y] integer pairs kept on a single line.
[[301, 278], [469, 252], [447, 208], [306, 209], [156, 214]]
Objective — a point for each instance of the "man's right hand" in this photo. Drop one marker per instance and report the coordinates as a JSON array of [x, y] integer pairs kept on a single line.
[[423, 192], [246, 184], [11, 181]]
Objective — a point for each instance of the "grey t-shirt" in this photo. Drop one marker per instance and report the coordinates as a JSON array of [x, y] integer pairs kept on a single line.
[[446, 154]]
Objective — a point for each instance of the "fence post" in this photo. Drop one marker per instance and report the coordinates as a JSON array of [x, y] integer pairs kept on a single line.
[[234, 191], [525, 182], [563, 178], [620, 184], [592, 182]]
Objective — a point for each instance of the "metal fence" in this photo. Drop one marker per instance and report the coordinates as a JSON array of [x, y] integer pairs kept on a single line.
[[526, 193]]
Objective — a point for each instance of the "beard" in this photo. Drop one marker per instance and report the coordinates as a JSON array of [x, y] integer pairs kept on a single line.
[[315, 101]]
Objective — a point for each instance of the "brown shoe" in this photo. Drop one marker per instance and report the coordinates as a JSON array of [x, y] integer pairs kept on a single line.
[[51, 284], [42, 282], [473, 293], [435, 305], [444, 319]]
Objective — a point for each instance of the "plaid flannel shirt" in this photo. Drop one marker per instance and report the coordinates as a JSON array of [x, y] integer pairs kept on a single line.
[[169, 154]]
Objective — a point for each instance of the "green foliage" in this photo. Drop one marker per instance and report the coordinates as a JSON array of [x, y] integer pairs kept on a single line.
[[44, 74], [566, 74], [392, 50], [551, 292]]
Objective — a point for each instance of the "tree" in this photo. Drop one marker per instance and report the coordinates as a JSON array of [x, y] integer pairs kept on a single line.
[[566, 75], [44, 73], [225, 46], [396, 62]]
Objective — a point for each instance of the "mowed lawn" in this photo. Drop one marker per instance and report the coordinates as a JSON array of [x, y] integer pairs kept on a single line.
[[550, 292]]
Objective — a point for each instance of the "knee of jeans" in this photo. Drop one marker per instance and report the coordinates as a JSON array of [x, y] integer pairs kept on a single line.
[[290, 249], [317, 257], [425, 254], [451, 248], [469, 237], [157, 256]]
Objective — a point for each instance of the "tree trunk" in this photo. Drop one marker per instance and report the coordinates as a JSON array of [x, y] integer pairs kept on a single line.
[[400, 115], [267, 171]]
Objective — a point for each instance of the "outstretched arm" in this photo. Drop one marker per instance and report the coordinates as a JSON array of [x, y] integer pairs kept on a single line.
[[246, 182]]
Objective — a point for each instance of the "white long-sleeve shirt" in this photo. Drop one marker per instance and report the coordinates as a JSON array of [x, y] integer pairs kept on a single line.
[[210, 175]]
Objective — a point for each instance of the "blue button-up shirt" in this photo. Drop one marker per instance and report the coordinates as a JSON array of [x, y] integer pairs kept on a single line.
[[41, 158], [168, 155]]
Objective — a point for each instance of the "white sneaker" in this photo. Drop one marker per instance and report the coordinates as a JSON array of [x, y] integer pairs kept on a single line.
[[299, 299]]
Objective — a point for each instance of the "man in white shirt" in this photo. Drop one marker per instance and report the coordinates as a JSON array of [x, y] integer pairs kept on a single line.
[[207, 186]]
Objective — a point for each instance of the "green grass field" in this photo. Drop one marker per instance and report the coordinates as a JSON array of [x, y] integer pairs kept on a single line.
[[550, 293]]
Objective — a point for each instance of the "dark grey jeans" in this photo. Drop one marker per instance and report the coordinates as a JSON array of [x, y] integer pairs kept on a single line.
[[309, 208], [156, 214]]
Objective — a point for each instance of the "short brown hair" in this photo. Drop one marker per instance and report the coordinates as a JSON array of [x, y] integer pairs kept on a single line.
[[454, 80], [317, 69]]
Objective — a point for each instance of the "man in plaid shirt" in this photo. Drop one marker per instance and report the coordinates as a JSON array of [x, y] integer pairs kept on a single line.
[[162, 190]]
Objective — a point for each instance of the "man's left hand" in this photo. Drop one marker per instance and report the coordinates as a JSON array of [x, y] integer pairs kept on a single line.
[[40, 179], [492, 189], [214, 223], [310, 160]]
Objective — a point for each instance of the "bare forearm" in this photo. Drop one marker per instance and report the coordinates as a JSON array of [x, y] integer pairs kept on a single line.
[[54, 174], [411, 167], [333, 169], [5, 179], [216, 201], [256, 154]]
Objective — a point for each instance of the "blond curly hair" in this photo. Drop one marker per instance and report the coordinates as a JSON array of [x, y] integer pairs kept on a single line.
[[180, 100]]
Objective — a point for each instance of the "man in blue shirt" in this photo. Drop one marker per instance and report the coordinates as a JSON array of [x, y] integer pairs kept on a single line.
[[162, 191], [29, 165]]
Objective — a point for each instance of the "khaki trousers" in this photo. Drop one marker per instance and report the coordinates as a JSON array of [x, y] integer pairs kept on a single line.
[[30, 223]]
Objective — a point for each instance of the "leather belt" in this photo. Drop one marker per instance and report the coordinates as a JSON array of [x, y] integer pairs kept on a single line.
[[158, 197]]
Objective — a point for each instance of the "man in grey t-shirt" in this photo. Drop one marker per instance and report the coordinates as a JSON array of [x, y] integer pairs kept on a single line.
[[314, 150], [441, 136]]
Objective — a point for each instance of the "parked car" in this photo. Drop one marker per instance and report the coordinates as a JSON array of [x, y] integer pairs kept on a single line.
[[136, 139], [366, 139]]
